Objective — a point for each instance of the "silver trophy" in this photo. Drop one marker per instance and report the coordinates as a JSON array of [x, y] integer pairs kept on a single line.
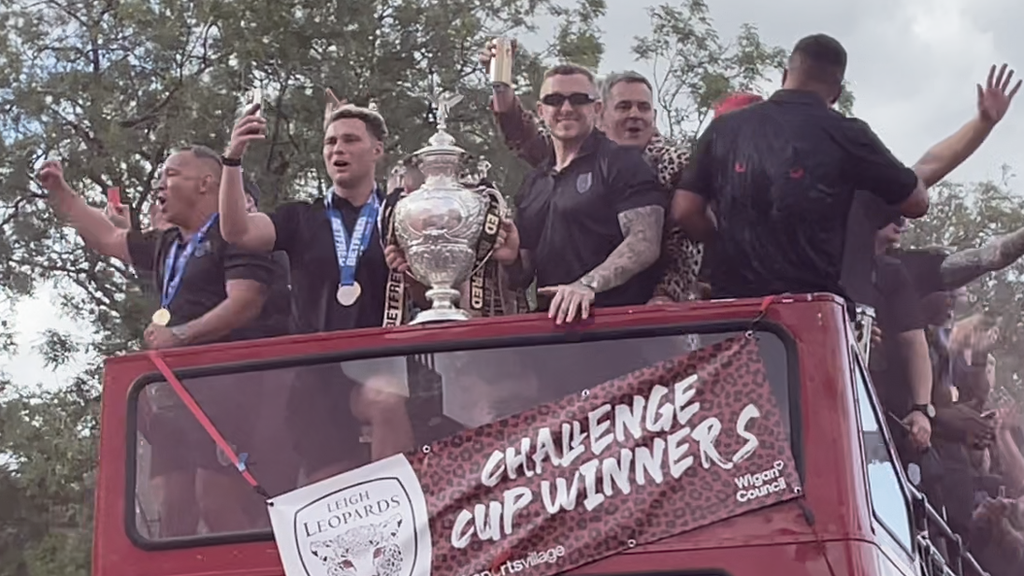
[[438, 226]]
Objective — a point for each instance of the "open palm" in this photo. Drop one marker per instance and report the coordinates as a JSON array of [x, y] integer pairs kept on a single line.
[[994, 99]]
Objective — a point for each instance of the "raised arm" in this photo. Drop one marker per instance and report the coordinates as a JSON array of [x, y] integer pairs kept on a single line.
[[255, 232], [993, 102], [963, 267], [92, 224], [520, 129]]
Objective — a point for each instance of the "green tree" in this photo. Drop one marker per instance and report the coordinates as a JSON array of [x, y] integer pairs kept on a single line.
[[966, 216], [693, 66], [111, 88]]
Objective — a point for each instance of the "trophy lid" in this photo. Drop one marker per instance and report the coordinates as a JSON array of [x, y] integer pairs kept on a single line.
[[441, 144]]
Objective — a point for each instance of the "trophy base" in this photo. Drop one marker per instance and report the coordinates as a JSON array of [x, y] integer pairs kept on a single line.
[[440, 315]]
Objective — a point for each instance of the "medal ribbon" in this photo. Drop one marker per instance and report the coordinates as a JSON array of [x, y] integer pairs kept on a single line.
[[348, 253], [174, 264]]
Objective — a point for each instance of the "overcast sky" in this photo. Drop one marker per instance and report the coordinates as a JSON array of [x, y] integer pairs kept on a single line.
[[913, 68]]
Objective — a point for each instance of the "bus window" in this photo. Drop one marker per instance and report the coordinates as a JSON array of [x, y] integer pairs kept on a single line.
[[301, 423], [888, 500]]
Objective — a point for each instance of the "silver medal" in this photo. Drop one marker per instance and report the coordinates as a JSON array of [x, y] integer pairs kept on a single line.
[[347, 295]]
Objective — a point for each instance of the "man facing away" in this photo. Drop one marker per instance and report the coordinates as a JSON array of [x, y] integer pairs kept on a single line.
[[590, 218], [627, 116], [210, 291], [339, 277], [782, 175]]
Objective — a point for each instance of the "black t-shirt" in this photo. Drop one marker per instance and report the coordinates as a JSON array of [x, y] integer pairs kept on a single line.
[[924, 267], [304, 232], [279, 305], [868, 215], [897, 312], [569, 219], [782, 175], [202, 288]]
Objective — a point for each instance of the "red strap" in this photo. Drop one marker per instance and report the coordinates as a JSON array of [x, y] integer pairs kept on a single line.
[[204, 421]]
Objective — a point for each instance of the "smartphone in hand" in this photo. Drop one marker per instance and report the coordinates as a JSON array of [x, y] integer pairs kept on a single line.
[[114, 197]]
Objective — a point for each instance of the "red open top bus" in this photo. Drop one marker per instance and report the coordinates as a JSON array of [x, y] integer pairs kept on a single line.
[[842, 506]]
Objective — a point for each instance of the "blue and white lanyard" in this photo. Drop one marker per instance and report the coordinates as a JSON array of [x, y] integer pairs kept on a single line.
[[174, 264], [348, 254]]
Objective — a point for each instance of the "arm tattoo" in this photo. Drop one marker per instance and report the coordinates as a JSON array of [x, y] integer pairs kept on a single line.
[[642, 228], [965, 266]]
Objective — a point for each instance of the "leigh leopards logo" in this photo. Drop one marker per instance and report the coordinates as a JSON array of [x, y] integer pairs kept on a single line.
[[363, 523], [583, 182]]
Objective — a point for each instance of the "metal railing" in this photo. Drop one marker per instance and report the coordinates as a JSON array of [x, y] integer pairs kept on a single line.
[[957, 560]]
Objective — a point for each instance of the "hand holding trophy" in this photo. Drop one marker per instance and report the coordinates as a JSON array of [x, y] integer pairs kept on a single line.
[[445, 230]]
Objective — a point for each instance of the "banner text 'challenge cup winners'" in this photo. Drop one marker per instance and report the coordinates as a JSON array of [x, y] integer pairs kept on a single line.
[[656, 453]]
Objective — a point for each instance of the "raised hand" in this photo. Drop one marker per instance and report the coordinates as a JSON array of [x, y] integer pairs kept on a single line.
[[250, 127], [51, 177], [994, 99], [489, 51], [119, 215]]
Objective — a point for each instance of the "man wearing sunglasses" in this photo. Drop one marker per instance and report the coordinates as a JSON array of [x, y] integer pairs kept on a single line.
[[627, 116], [590, 217]]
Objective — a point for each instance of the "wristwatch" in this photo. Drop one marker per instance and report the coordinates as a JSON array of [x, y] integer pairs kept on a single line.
[[926, 409], [180, 332]]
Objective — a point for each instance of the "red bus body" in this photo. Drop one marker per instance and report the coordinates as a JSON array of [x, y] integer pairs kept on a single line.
[[833, 530]]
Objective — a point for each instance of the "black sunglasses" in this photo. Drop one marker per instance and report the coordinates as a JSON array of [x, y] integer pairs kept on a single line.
[[575, 99]]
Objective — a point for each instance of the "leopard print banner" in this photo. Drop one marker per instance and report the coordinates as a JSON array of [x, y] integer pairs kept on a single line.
[[653, 454]]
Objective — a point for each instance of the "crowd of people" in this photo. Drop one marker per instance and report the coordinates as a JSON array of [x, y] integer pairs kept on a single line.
[[778, 195]]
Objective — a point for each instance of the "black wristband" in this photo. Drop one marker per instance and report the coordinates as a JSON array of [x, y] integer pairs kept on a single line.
[[231, 162]]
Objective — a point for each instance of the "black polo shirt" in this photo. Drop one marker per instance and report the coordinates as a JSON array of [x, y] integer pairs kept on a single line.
[[868, 215], [897, 310], [304, 232], [925, 268], [213, 263], [782, 175], [569, 219]]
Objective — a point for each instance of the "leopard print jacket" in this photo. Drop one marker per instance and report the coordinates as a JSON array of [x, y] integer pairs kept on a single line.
[[528, 139]]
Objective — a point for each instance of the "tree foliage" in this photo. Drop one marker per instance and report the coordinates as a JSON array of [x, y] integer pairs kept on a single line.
[[112, 87], [694, 67]]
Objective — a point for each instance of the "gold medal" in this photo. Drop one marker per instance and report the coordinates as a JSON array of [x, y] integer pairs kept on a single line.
[[162, 317]]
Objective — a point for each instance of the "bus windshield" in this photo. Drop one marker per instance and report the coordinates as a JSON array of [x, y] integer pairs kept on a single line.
[[305, 419]]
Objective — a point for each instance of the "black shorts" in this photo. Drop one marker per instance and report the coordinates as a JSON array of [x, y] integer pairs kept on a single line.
[[319, 418], [178, 442]]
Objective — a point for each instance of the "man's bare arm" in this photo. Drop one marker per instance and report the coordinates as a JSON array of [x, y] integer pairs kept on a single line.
[[243, 304], [92, 224], [253, 232], [944, 157], [520, 130], [963, 267], [642, 229]]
